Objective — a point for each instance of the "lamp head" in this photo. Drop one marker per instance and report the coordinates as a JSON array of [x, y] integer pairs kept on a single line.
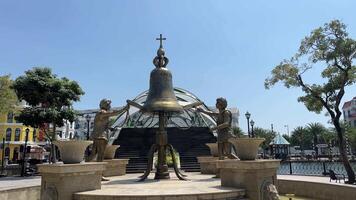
[[248, 115]]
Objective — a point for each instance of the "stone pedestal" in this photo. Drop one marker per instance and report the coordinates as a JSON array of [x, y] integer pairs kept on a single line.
[[115, 167], [254, 175], [208, 164], [61, 181]]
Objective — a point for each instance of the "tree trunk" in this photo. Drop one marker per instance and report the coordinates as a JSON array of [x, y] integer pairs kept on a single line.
[[345, 160]]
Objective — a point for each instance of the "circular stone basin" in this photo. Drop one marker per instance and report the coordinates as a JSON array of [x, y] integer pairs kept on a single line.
[[72, 151]]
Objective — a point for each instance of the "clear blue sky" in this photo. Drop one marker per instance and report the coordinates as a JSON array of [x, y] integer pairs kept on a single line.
[[216, 48]]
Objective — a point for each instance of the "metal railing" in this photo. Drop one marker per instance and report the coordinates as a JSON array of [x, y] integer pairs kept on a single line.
[[312, 167]]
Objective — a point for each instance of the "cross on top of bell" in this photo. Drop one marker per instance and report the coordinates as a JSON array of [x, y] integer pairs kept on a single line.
[[161, 40]]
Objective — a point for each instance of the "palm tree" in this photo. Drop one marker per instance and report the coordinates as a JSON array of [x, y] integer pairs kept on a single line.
[[298, 136], [317, 130]]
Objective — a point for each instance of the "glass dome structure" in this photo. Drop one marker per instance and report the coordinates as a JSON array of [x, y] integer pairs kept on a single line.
[[134, 118]]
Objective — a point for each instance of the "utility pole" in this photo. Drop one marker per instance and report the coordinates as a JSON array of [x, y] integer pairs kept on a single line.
[[23, 171]]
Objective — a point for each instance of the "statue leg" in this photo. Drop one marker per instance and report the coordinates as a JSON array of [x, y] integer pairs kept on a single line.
[[228, 150], [93, 152], [221, 150], [150, 162], [176, 170], [101, 149]]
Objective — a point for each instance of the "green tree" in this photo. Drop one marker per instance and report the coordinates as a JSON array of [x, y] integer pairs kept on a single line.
[[50, 99], [316, 130], [8, 98], [351, 135], [329, 136], [329, 47], [237, 131], [268, 135], [301, 137]]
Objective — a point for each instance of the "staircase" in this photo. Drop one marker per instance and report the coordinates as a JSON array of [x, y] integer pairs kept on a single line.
[[135, 144], [137, 163], [188, 159]]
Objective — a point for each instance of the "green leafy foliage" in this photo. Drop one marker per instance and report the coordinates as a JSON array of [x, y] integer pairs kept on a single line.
[[8, 98], [330, 48], [50, 98], [264, 133], [237, 131]]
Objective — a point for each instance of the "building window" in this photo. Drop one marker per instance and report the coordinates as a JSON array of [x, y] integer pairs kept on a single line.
[[354, 123], [60, 134], [8, 134], [16, 154], [10, 117], [7, 152], [17, 134], [34, 135]]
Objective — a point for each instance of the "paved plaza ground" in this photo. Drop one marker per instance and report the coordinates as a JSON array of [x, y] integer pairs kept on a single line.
[[7, 183]]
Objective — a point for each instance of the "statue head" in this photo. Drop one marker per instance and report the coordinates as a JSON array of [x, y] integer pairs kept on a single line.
[[105, 104], [221, 103]]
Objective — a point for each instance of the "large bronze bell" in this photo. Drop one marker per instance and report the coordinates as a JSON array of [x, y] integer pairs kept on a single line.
[[161, 97]]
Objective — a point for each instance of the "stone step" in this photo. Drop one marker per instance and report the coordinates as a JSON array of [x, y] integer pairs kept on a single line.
[[127, 188]]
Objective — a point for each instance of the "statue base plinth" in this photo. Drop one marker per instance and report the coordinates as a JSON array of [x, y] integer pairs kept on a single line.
[[253, 175], [115, 167], [208, 164], [61, 181]]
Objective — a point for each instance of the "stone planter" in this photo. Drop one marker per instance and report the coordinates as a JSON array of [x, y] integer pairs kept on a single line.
[[72, 151], [110, 151], [208, 164], [213, 149], [246, 148], [115, 167]]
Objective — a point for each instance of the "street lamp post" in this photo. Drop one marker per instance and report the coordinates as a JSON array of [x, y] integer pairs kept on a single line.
[[88, 118], [287, 130], [23, 171], [248, 115], [252, 132], [3, 156]]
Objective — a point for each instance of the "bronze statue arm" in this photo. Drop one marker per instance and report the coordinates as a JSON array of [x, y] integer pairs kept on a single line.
[[132, 103], [212, 114], [192, 105], [221, 126], [115, 112], [227, 122]]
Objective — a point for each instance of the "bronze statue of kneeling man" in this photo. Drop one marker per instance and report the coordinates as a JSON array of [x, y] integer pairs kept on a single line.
[[223, 120]]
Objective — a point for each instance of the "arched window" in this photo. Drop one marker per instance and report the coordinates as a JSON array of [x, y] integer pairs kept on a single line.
[[16, 154], [8, 134], [10, 117], [34, 135], [7, 152], [17, 134]]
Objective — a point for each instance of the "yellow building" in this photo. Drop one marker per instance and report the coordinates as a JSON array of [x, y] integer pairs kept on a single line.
[[14, 134]]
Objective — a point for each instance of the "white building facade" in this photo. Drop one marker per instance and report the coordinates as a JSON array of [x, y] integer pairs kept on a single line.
[[349, 111]]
